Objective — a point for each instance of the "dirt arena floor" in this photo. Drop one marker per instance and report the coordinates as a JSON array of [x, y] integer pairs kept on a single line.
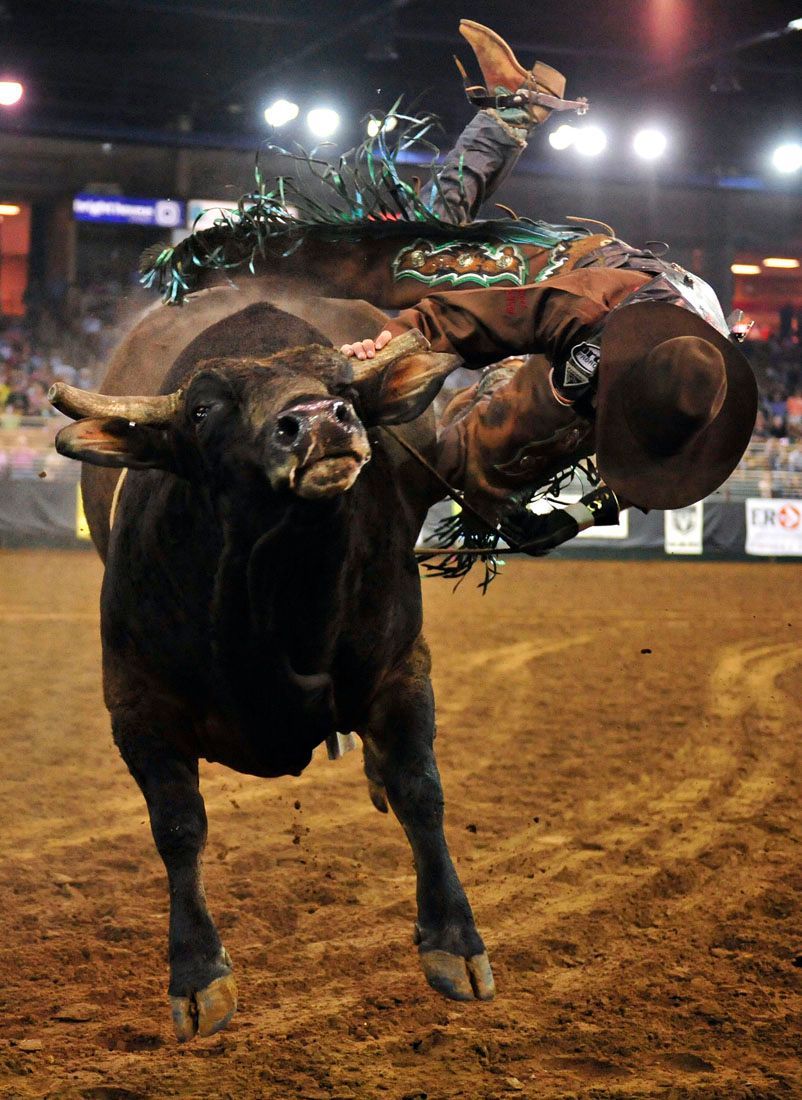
[[620, 749]]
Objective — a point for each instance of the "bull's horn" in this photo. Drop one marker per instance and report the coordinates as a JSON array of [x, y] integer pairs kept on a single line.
[[142, 410], [408, 343]]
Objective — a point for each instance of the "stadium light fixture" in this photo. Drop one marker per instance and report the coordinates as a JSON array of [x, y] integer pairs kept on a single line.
[[10, 92], [281, 112], [746, 269], [649, 143], [323, 121], [589, 141], [377, 125], [562, 137], [785, 262], [787, 158]]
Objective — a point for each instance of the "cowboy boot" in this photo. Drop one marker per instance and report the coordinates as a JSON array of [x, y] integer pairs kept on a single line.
[[504, 76]]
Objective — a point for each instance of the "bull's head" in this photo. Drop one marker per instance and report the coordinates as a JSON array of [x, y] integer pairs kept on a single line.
[[291, 418]]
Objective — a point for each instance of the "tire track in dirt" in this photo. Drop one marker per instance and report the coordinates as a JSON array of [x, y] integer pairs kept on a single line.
[[744, 675]]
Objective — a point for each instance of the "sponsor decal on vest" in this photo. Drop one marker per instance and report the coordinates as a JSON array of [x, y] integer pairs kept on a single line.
[[461, 263], [581, 365]]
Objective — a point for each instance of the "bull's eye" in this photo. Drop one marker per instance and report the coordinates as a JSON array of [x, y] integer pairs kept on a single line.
[[199, 413]]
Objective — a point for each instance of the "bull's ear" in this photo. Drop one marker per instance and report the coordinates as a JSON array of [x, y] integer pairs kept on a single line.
[[114, 441], [409, 385]]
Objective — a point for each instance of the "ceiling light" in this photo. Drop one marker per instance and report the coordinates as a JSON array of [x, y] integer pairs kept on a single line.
[[281, 112], [780, 261], [787, 158], [8, 210], [590, 141], [649, 144], [745, 269], [10, 92], [562, 137], [322, 121]]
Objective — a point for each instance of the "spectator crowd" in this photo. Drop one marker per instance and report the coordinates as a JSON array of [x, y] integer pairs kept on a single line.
[[62, 337]]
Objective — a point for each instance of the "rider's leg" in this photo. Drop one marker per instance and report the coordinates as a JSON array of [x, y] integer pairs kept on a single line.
[[489, 147]]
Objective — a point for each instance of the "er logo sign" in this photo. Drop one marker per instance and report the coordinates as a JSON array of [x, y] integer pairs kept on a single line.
[[774, 527], [789, 517]]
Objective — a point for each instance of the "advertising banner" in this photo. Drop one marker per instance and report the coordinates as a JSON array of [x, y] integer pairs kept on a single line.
[[774, 527], [684, 529], [121, 210], [81, 525]]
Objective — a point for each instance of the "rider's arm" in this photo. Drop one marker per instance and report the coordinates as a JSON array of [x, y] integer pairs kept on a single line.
[[485, 325]]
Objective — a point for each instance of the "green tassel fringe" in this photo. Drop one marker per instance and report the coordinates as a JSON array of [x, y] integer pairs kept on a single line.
[[364, 198], [456, 534]]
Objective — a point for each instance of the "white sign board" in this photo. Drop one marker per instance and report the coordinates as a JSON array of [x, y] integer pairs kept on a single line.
[[774, 527], [683, 529]]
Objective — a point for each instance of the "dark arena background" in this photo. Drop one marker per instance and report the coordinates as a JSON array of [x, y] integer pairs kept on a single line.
[[618, 723]]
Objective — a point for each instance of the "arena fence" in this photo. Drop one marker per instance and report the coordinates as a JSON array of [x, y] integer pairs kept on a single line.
[[757, 513]]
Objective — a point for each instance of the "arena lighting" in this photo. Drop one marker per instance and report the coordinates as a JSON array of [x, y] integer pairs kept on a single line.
[[322, 121], [376, 124], [780, 261], [794, 25], [10, 92], [746, 269], [281, 112], [562, 137], [8, 210], [589, 141], [787, 158], [649, 144]]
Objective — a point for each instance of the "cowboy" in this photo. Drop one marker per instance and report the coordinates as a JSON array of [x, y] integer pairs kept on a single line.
[[628, 356]]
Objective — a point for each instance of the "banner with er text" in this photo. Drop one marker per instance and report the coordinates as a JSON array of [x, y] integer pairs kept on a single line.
[[774, 527]]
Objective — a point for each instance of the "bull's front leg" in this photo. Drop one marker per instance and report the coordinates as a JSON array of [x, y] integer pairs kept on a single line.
[[203, 993], [400, 744]]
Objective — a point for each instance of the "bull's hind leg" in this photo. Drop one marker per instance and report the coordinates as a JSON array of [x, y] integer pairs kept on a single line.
[[203, 993], [400, 746]]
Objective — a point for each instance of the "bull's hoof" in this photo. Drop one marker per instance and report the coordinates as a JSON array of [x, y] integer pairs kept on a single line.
[[205, 1012], [458, 978]]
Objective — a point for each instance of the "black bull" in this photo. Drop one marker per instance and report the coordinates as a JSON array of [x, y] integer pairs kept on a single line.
[[261, 593]]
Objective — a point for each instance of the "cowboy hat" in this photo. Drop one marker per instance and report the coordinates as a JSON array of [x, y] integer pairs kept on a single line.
[[676, 405]]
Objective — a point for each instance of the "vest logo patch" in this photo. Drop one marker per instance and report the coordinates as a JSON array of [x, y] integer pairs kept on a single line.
[[461, 263], [581, 365]]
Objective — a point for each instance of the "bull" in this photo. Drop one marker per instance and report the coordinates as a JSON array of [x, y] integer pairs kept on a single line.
[[261, 594]]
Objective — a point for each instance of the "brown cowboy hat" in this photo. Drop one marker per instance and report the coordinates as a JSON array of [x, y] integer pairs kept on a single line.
[[676, 405]]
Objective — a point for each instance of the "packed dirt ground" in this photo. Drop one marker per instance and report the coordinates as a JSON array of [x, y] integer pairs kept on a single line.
[[620, 750]]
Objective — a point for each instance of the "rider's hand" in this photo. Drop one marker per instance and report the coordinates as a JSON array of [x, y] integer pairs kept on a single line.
[[366, 349], [537, 533]]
